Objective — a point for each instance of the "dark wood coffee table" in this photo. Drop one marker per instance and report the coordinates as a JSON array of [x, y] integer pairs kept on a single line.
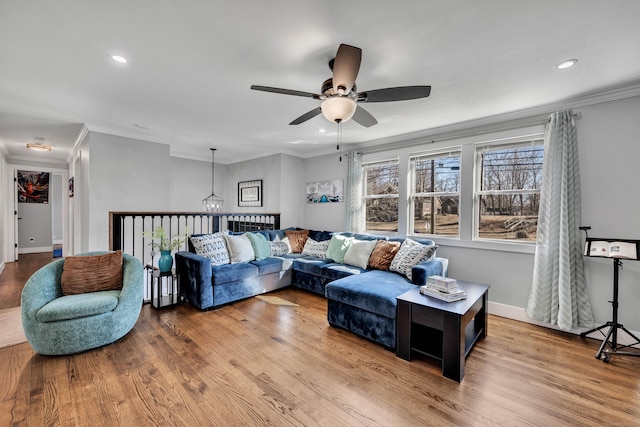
[[443, 330]]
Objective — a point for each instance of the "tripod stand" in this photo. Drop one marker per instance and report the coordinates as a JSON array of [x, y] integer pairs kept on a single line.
[[611, 337]]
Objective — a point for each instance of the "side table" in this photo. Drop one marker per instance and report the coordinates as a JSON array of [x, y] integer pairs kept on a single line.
[[442, 330], [168, 281]]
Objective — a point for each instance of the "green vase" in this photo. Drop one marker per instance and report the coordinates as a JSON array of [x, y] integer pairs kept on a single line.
[[165, 262]]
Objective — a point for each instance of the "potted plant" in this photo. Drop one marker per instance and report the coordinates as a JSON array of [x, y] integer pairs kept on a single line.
[[162, 242]]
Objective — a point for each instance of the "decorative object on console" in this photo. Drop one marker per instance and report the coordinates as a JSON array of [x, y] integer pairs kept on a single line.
[[212, 203], [165, 244], [250, 193]]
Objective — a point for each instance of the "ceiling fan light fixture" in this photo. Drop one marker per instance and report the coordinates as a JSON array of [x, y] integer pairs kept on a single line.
[[338, 108]]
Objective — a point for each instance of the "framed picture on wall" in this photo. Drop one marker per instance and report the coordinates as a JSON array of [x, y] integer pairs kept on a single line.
[[250, 193]]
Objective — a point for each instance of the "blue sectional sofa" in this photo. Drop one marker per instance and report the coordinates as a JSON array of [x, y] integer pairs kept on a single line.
[[360, 300]]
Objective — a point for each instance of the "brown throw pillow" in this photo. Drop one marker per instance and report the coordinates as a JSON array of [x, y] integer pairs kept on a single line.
[[383, 254], [82, 274], [297, 239]]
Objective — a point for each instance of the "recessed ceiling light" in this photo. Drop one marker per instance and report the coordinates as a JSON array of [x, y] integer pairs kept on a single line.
[[120, 59], [566, 64], [321, 131]]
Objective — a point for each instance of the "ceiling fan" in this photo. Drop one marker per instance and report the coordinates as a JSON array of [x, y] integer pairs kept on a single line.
[[339, 93]]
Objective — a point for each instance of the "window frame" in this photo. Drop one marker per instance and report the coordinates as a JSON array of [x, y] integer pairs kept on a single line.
[[495, 145], [412, 194], [378, 162]]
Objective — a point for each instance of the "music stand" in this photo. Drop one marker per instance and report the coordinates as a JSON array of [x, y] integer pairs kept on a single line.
[[616, 249]]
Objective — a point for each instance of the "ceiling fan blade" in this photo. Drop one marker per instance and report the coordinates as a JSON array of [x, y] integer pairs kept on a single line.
[[306, 116], [345, 68], [363, 117], [284, 91], [402, 93]]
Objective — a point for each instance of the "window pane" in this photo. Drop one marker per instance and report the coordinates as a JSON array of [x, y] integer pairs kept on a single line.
[[382, 214], [439, 174], [436, 215], [512, 217], [382, 179], [512, 168]]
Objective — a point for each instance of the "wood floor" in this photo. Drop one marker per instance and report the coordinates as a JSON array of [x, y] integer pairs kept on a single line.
[[256, 363]]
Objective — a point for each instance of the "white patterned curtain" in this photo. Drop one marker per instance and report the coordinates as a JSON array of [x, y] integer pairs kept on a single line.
[[355, 208], [559, 295]]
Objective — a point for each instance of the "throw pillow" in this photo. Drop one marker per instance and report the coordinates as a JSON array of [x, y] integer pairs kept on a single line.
[[239, 248], [410, 254], [212, 246], [315, 249], [92, 273], [260, 245], [359, 252], [297, 239], [338, 246], [279, 248], [382, 254]]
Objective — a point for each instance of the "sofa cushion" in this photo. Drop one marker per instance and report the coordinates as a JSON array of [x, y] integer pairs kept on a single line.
[[232, 272], [410, 254], [333, 271], [240, 249], [279, 248], [359, 252], [297, 239], [269, 265], [320, 236], [260, 245], [212, 246], [81, 274], [382, 254], [338, 246], [311, 265], [375, 291], [315, 249], [76, 306]]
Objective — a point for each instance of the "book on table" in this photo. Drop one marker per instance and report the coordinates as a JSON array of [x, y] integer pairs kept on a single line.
[[442, 283], [442, 295], [614, 249]]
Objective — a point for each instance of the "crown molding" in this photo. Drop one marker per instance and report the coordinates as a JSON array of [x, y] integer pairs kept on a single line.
[[3, 148], [83, 133], [500, 122]]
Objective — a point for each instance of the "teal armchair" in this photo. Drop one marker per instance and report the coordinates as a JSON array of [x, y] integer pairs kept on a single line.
[[55, 324]]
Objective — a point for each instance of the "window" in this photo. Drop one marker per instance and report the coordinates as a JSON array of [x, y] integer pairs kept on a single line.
[[508, 190], [435, 194], [381, 195]]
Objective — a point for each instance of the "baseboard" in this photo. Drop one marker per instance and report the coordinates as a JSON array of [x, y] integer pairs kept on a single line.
[[519, 314], [35, 250]]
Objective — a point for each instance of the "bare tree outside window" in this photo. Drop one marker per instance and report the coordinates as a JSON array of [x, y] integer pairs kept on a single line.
[[436, 194], [509, 194], [381, 196]]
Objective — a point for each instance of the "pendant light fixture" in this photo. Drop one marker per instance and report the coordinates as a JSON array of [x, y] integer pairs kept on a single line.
[[212, 203]]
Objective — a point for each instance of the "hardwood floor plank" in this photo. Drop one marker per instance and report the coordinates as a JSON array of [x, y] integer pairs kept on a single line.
[[256, 363]]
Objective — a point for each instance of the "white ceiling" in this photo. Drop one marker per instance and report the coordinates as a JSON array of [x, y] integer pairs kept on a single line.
[[191, 64]]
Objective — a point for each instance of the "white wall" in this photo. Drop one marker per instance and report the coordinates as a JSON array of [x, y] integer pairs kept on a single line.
[[120, 174], [191, 182], [324, 216], [4, 201], [56, 207], [609, 144]]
